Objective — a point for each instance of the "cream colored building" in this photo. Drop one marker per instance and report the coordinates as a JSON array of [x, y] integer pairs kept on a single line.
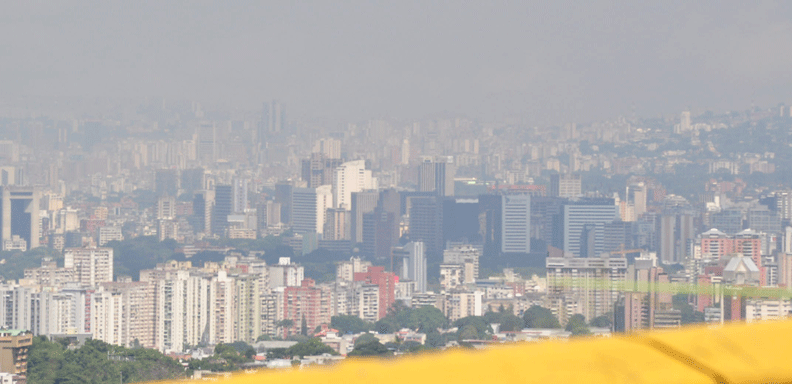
[[92, 266], [123, 314]]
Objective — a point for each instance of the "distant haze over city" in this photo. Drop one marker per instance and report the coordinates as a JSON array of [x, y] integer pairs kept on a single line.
[[542, 63]]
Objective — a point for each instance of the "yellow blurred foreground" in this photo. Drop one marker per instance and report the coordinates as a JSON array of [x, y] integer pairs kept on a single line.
[[740, 353]]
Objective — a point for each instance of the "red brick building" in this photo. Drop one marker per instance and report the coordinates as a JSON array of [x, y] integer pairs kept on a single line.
[[306, 301], [386, 282]]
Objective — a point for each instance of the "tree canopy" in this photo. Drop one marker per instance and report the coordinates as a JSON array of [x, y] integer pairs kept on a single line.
[[508, 321], [540, 317], [139, 253], [423, 319], [472, 328], [310, 347], [603, 321], [370, 349], [52, 363], [365, 338], [15, 262], [577, 325], [346, 324]]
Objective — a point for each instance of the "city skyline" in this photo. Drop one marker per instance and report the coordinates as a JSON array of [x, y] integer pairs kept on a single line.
[[544, 64], [192, 188]]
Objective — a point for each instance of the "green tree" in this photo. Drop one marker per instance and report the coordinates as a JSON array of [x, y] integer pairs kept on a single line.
[[511, 323], [435, 339], [425, 319], [365, 338], [468, 332], [540, 317], [387, 324], [15, 262], [370, 349], [304, 327], [472, 328], [143, 252], [507, 320], [51, 362], [603, 321], [577, 325], [311, 347], [44, 360], [277, 353], [349, 324]]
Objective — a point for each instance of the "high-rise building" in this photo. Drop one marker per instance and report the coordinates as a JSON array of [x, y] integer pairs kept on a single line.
[[586, 286], [426, 218], [108, 234], [582, 218], [167, 229], [92, 266], [306, 303], [466, 256], [390, 200], [336, 226], [166, 207], [166, 182], [716, 244], [684, 122], [491, 223], [309, 208], [413, 264], [636, 197], [182, 306], [19, 215], [361, 202], [203, 205], [379, 234], [329, 147], [565, 185], [207, 145], [7, 175], [248, 290], [240, 192], [345, 271], [272, 117], [452, 276], [783, 204], [676, 238], [223, 206], [386, 281], [123, 314], [268, 214], [729, 221], [437, 175], [647, 301], [762, 219], [285, 274], [516, 226], [348, 178], [192, 180], [319, 170], [461, 220], [545, 218], [222, 302], [458, 305], [283, 195]]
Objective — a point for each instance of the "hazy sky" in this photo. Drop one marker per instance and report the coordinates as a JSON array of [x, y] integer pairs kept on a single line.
[[548, 62]]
